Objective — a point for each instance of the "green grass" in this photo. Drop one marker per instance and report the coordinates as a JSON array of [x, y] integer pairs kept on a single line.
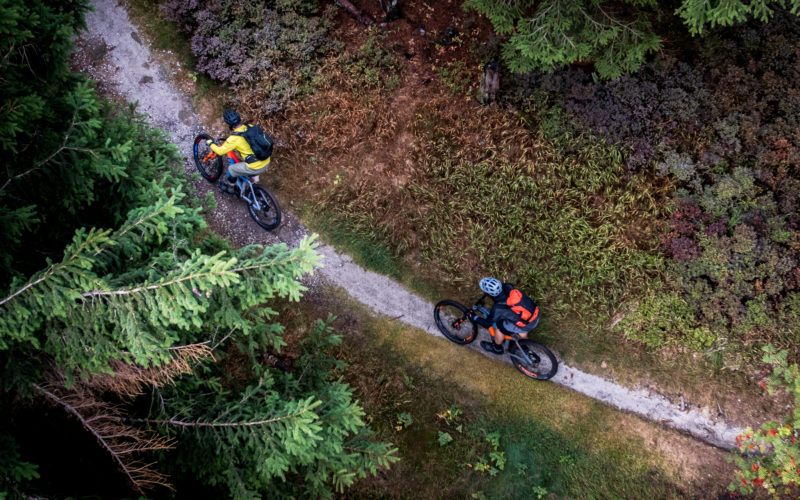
[[369, 251], [551, 440], [569, 228]]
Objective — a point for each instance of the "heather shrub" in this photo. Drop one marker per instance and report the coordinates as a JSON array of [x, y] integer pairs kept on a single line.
[[271, 47], [371, 65], [640, 111], [726, 130]]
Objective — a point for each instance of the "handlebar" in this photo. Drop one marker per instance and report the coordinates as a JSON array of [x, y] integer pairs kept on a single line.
[[480, 307]]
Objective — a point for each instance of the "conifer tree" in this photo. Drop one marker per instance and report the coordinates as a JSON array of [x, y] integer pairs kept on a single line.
[[615, 36]]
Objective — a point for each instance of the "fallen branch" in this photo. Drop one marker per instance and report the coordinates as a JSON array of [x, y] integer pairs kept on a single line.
[[355, 12]]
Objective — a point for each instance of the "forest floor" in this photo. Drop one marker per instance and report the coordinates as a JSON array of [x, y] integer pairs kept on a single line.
[[117, 55]]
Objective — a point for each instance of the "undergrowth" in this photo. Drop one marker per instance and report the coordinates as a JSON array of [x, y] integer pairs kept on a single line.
[[723, 128], [571, 229], [455, 442]]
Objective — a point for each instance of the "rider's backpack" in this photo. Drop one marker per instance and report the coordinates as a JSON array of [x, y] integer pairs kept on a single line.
[[523, 306], [259, 142]]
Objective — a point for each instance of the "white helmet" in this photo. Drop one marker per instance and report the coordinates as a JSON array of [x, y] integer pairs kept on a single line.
[[491, 286]]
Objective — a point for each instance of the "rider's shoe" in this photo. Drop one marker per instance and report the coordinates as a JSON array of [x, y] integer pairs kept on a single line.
[[491, 347], [226, 186]]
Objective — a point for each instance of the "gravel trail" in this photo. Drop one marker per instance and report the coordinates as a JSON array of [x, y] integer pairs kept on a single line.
[[127, 69]]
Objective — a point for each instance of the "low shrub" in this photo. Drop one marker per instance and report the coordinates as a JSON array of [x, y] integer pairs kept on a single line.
[[272, 46], [726, 130], [571, 228]]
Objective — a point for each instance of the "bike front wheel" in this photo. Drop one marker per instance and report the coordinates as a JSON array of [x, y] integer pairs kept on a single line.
[[541, 364], [207, 162], [268, 213], [451, 318]]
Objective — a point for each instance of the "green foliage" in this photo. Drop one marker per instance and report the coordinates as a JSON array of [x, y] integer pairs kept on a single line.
[[444, 438], [259, 437], [14, 472], [404, 420], [372, 65], [766, 457], [451, 416], [539, 491], [616, 38], [561, 32], [49, 124], [698, 14], [663, 318]]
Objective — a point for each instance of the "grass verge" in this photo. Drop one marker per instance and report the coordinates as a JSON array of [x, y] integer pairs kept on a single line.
[[506, 436]]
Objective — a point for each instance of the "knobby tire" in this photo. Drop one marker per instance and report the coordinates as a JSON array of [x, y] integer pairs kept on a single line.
[[545, 369], [211, 168], [269, 217], [451, 318]]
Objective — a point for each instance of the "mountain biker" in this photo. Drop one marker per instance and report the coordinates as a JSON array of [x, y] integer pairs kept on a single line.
[[235, 142], [514, 310]]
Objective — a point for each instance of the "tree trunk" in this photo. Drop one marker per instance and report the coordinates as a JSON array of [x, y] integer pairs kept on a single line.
[[490, 83]]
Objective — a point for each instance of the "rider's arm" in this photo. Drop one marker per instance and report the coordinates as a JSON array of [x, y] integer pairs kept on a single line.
[[225, 148], [498, 313]]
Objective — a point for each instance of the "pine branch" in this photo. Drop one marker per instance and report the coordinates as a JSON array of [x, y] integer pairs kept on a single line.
[[92, 239], [128, 380], [105, 422], [163, 284], [253, 423], [61, 148]]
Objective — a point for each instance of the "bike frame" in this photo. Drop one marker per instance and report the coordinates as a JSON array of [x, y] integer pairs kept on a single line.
[[244, 184], [479, 308]]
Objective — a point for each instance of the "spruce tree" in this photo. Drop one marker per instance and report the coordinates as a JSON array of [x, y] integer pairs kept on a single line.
[[615, 36]]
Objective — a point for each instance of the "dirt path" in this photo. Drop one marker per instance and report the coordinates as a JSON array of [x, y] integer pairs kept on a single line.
[[124, 66]]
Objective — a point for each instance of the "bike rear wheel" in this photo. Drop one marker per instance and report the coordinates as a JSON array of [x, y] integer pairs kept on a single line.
[[208, 164], [451, 318], [268, 215], [543, 363]]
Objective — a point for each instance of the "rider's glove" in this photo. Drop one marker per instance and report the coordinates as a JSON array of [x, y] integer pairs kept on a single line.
[[209, 142]]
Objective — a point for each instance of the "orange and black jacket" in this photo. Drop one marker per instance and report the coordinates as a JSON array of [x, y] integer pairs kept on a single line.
[[511, 305]]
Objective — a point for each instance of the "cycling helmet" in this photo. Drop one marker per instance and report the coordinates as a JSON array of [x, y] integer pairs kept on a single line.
[[232, 118], [491, 286]]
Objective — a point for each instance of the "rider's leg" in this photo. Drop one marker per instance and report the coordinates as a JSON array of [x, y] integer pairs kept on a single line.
[[494, 346], [499, 337], [241, 169], [237, 170]]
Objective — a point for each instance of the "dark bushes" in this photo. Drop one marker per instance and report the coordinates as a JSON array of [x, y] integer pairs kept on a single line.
[[727, 131], [271, 46]]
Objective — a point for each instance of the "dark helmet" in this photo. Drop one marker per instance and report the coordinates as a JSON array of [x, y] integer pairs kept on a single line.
[[232, 118]]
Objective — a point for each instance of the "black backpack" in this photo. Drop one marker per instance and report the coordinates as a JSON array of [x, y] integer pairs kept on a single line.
[[259, 142]]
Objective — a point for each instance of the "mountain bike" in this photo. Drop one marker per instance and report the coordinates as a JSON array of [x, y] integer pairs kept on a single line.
[[262, 205], [455, 322]]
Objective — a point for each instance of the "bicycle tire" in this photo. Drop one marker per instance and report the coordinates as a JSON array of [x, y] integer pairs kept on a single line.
[[545, 369], [211, 168], [270, 215], [449, 316]]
